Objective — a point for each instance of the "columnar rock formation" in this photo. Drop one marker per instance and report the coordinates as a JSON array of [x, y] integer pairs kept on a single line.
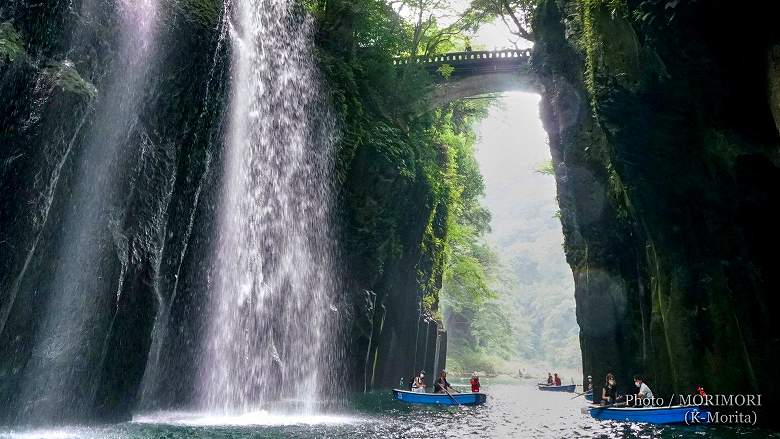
[[129, 323], [660, 117]]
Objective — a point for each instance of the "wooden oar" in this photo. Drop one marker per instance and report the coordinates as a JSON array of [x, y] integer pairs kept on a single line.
[[577, 396], [451, 397]]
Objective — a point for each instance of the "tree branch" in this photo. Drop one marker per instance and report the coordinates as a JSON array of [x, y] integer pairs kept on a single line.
[[521, 31]]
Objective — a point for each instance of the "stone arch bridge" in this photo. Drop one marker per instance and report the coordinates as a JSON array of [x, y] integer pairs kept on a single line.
[[460, 75]]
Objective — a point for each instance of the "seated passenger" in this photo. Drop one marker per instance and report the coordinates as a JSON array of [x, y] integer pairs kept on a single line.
[[419, 383], [609, 392], [644, 390], [557, 380], [441, 384]]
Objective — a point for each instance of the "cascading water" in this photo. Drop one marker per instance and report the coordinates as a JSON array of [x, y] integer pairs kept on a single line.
[[272, 314], [61, 377]]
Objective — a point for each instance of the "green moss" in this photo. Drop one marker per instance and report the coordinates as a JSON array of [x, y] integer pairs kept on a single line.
[[434, 247], [64, 75], [720, 151], [618, 193], [545, 168], [203, 12], [591, 41], [11, 43]]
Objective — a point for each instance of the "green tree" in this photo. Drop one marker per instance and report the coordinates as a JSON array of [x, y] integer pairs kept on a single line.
[[516, 14]]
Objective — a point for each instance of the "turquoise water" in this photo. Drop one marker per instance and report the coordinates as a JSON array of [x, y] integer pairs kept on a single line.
[[513, 410]]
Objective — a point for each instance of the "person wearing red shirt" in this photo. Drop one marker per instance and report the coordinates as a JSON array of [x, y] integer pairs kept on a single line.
[[474, 382]]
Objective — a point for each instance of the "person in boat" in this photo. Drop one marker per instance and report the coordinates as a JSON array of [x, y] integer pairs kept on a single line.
[[441, 385], [557, 380], [589, 388], [609, 392], [419, 383], [644, 391], [474, 382], [549, 379]]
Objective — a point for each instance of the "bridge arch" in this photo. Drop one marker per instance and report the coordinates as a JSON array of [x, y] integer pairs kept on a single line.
[[460, 75]]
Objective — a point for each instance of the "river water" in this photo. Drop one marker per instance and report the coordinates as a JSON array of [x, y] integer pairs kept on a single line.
[[514, 409]]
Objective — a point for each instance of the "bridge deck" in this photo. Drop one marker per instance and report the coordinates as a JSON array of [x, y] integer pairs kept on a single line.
[[473, 62]]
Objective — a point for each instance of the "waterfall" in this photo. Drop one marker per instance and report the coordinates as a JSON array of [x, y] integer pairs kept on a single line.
[[272, 315], [61, 377]]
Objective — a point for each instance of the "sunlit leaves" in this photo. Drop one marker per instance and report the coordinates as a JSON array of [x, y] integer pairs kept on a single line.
[[516, 14], [546, 168], [446, 70], [11, 44]]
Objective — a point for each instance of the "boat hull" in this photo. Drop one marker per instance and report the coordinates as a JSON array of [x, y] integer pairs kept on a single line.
[[651, 415], [439, 398], [570, 388]]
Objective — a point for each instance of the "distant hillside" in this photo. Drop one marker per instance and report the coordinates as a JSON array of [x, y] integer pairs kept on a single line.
[[526, 234]]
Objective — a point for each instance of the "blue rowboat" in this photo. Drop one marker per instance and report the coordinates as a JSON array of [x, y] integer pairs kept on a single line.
[[678, 414], [546, 387], [439, 398]]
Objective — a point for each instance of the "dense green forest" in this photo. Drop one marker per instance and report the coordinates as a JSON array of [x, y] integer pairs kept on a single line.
[[384, 107], [659, 170], [536, 284]]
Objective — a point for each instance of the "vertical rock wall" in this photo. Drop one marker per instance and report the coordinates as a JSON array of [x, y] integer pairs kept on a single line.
[[666, 156], [388, 210], [156, 225], [158, 229]]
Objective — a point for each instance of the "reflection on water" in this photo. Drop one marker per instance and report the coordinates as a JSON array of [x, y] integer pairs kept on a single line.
[[261, 418], [514, 410]]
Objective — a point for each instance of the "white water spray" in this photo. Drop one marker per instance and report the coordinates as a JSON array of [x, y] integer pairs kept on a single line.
[[272, 318], [61, 377]]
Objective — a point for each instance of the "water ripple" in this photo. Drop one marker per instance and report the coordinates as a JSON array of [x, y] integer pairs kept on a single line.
[[513, 410]]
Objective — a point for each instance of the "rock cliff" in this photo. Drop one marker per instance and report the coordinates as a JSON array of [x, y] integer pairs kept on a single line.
[[660, 117]]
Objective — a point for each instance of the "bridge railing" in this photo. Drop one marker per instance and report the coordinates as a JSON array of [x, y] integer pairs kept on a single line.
[[477, 56]]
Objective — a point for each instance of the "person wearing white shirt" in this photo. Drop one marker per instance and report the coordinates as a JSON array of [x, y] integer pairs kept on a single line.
[[419, 383], [644, 389]]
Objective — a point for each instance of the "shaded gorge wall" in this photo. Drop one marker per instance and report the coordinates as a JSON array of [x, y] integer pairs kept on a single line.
[[144, 296], [660, 116], [153, 227]]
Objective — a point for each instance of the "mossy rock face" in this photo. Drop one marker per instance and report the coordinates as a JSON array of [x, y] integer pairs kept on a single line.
[[203, 12], [11, 43], [64, 75], [682, 148], [619, 50], [774, 83]]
